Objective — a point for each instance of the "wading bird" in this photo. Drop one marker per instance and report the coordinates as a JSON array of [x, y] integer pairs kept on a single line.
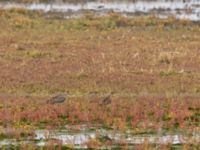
[[107, 100], [60, 98]]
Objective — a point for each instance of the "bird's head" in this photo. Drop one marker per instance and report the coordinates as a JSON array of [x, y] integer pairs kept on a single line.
[[112, 93]]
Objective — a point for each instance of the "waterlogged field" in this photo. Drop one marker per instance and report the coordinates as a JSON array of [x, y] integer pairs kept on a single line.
[[151, 65]]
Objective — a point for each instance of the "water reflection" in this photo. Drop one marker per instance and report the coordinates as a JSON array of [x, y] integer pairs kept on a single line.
[[79, 139], [181, 9]]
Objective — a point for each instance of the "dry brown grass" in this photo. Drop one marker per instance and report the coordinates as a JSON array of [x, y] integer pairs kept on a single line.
[[151, 64]]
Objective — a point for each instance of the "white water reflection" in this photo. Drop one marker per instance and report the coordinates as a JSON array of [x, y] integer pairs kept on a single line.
[[66, 138], [188, 10], [83, 137], [79, 139]]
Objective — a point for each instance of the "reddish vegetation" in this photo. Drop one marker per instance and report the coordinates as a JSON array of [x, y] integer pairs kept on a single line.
[[140, 56], [140, 113]]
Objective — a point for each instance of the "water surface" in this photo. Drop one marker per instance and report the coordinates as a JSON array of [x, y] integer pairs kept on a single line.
[[189, 9], [79, 139]]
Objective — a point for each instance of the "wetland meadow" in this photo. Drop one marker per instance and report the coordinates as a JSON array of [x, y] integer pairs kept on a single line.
[[128, 74]]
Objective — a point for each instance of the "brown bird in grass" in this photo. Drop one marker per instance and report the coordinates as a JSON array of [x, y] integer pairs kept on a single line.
[[106, 139], [60, 98], [107, 100]]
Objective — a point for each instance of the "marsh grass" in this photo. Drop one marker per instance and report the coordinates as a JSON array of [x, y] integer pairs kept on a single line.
[[99, 54], [148, 62], [28, 54]]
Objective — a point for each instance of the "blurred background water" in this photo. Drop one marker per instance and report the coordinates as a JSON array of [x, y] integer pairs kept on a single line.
[[181, 9]]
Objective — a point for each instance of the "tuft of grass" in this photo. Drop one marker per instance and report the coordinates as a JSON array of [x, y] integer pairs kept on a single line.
[[27, 54], [168, 73], [39, 89]]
